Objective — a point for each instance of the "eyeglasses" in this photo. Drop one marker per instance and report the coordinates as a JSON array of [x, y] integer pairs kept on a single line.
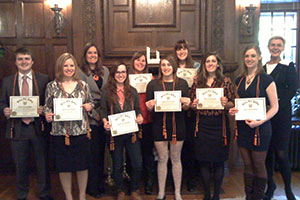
[[121, 72]]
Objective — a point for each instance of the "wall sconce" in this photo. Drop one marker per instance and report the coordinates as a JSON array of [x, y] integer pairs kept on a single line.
[[58, 19], [248, 20]]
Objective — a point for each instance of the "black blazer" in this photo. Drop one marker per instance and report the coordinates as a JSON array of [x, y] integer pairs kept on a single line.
[[7, 91]]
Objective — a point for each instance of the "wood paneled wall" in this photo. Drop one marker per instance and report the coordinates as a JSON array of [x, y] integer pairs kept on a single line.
[[119, 28]]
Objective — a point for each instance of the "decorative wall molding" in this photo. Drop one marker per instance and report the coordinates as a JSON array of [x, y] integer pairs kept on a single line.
[[218, 17], [89, 21]]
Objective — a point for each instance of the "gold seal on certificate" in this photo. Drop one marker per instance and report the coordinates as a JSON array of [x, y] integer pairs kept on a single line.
[[67, 109], [123, 123], [24, 106], [209, 98], [167, 101], [140, 81], [250, 108], [187, 74]]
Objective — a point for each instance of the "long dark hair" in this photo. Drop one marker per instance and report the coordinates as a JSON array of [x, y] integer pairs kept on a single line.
[[189, 62], [85, 66], [135, 56], [172, 61], [111, 85], [260, 69], [202, 74]]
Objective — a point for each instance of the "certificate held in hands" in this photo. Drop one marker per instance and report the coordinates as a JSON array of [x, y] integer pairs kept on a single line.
[[167, 101], [187, 74], [123, 123], [250, 108], [67, 109], [140, 81], [24, 106], [209, 98]]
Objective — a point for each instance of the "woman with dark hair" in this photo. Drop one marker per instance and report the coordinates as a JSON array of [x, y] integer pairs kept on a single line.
[[254, 135], [212, 134], [285, 77], [118, 96], [183, 55], [168, 127], [139, 66], [70, 138], [95, 75]]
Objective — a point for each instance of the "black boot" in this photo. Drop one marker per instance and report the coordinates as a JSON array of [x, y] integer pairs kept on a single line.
[[190, 184], [270, 190], [259, 185], [149, 182], [289, 193], [248, 182]]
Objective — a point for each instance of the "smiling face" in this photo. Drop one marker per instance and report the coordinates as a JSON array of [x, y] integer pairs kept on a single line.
[[121, 74], [139, 64], [276, 47], [166, 68], [69, 68], [251, 58], [24, 63], [182, 53], [211, 64], [92, 56]]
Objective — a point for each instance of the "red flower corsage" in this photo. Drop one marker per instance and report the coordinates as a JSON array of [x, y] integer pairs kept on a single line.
[[96, 77]]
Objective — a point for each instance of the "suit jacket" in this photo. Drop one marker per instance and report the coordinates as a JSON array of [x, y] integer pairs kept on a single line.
[[7, 91], [285, 78]]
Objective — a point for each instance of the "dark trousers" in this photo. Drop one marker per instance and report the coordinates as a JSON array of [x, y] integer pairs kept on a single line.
[[134, 152], [96, 168], [147, 145], [21, 150]]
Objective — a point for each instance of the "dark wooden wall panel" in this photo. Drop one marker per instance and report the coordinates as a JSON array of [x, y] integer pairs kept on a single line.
[[187, 2], [8, 18], [120, 2], [33, 20]]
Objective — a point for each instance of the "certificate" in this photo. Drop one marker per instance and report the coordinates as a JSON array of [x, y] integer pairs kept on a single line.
[[210, 98], [67, 109], [123, 123], [250, 108], [24, 106], [167, 101], [140, 81], [187, 74]]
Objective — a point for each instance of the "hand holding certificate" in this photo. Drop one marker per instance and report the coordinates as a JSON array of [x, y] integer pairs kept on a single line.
[[187, 74], [140, 81], [167, 101], [24, 106], [209, 98], [123, 123], [250, 108], [67, 109]]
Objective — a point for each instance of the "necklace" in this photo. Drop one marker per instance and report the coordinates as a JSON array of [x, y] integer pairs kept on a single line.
[[250, 79]]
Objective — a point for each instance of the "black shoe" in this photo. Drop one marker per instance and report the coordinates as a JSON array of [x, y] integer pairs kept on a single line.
[[289, 194], [270, 191], [190, 186], [95, 195], [149, 186], [164, 198]]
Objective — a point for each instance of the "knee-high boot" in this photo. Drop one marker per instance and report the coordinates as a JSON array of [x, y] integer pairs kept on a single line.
[[259, 185], [248, 182]]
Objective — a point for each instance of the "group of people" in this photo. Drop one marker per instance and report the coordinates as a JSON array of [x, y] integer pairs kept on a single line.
[[202, 135]]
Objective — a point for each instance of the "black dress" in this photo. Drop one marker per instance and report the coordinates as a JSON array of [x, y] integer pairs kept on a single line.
[[156, 85], [285, 78], [245, 133], [209, 141]]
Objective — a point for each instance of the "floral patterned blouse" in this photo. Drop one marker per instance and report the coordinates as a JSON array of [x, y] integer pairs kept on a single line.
[[229, 92], [54, 90]]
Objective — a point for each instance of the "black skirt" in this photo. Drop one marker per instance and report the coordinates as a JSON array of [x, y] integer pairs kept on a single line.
[[209, 142], [74, 157]]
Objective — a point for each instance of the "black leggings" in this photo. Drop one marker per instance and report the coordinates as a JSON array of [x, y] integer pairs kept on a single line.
[[254, 162]]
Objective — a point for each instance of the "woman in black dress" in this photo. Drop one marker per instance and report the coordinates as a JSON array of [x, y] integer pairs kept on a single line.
[[285, 77], [254, 135], [168, 127], [212, 134]]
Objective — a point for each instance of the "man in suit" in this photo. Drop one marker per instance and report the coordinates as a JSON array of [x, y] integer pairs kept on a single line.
[[27, 134]]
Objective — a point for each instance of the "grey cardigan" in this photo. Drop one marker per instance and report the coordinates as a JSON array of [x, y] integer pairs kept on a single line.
[[95, 91]]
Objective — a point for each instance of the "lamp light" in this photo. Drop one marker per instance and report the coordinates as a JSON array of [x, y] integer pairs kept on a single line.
[[248, 20], [59, 19]]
